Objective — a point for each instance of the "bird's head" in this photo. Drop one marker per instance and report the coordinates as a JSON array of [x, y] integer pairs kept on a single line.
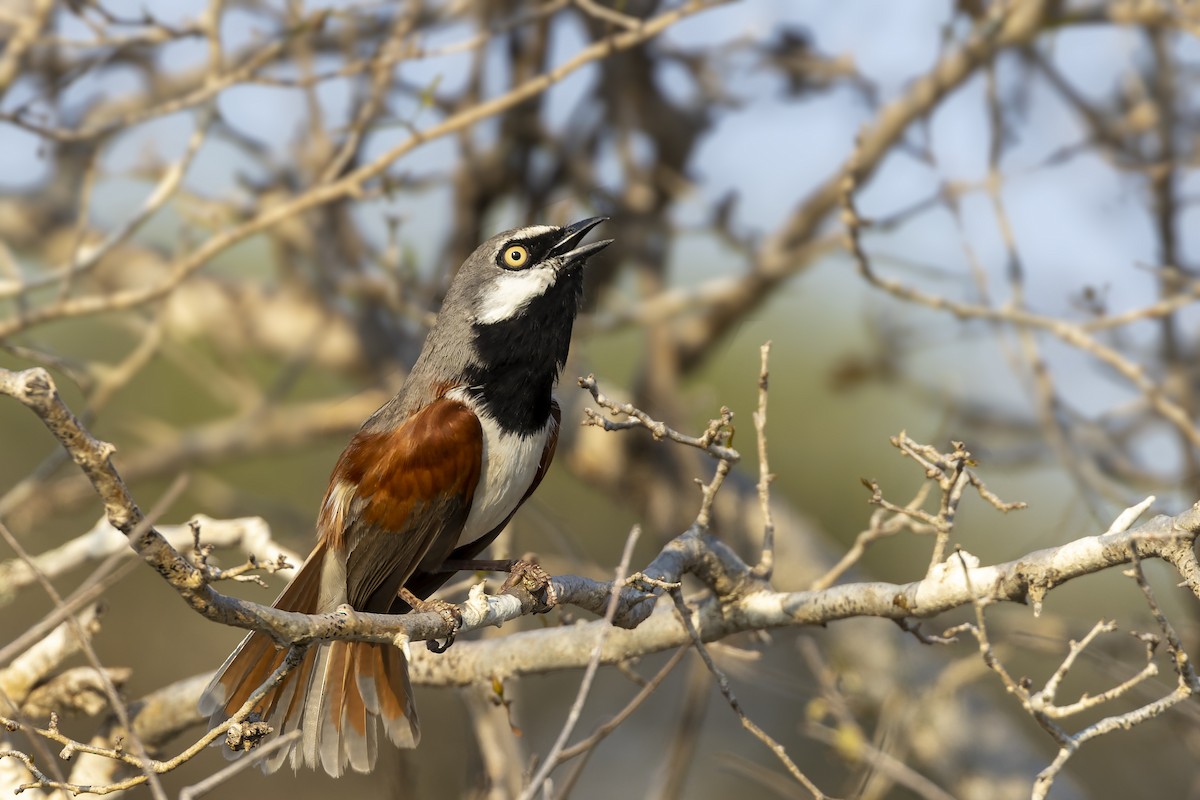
[[505, 326], [519, 292], [526, 274]]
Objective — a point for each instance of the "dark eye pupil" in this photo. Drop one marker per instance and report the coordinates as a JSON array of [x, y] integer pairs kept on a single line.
[[514, 254]]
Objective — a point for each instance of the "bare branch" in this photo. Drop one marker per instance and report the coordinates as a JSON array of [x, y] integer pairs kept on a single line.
[[713, 441], [723, 684]]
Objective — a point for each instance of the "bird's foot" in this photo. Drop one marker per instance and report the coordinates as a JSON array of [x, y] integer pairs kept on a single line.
[[525, 573], [529, 575], [446, 609]]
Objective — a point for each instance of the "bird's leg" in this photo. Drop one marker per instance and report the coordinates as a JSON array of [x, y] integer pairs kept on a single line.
[[533, 579], [448, 610], [525, 571], [479, 565]]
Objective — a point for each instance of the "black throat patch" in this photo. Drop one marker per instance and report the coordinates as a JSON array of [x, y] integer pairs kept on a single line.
[[519, 359]]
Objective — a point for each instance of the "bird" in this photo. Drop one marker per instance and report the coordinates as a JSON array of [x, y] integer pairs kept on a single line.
[[428, 481]]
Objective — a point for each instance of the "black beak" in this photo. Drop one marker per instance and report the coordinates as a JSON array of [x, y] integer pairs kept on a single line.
[[572, 234]]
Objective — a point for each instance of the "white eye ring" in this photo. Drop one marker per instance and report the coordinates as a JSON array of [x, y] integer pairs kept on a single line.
[[515, 256]]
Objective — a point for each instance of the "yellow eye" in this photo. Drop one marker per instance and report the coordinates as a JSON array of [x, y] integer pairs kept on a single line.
[[515, 256]]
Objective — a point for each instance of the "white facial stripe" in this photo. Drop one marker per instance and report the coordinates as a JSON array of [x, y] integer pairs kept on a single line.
[[512, 291]]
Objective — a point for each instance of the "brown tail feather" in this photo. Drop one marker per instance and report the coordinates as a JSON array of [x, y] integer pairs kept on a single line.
[[355, 722], [356, 683], [383, 682], [347, 704]]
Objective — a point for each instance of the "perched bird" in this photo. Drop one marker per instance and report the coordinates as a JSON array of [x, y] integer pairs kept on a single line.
[[429, 480]]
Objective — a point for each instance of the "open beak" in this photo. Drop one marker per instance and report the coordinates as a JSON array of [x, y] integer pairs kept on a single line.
[[572, 234]]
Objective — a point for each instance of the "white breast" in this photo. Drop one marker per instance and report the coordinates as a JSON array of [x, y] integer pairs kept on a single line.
[[510, 462]]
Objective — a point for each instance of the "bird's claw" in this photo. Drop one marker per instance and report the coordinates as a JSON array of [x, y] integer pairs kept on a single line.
[[530, 576], [448, 611]]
